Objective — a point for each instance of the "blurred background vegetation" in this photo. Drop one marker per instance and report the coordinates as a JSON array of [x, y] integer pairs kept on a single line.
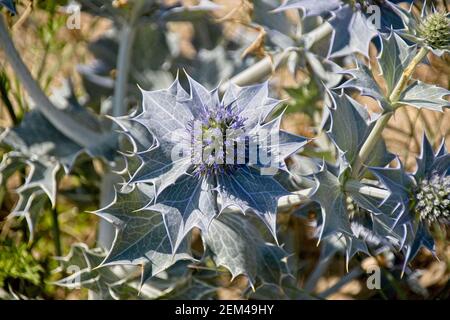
[[52, 52]]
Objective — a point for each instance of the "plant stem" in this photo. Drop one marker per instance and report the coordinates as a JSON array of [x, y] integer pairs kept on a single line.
[[56, 232], [127, 36], [299, 197], [382, 121], [319, 33], [258, 71], [356, 186], [406, 75], [60, 120], [370, 143], [266, 66], [126, 41]]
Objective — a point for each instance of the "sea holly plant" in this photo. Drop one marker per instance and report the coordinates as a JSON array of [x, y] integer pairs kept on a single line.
[[396, 56], [423, 197], [212, 154], [209, 183], [428, 30], [344, 209], [61, 128], [354, 23]]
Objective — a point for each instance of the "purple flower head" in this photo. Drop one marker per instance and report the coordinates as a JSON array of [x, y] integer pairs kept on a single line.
[[211, 153]]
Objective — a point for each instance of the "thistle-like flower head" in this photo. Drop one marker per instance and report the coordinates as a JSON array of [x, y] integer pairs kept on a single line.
[[422, 198], [435, 31], [210, 153], [430, 29], [432, 199], [215, 134], [431, 191]]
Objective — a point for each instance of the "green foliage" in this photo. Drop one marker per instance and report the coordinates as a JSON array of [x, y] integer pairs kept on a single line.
[[17, 263], [304, 98]]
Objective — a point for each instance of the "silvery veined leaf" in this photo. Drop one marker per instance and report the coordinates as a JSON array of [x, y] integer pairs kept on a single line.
[[252, 102], [424, 95], [9, 5], [143, 141], [287, 144], [141, 236], [165, 116], [31, 199], [148, 62], [44, 149], [324, 70], [35, 137], [363, 81], [235, 243], [347, 216], [29, 206], [431, 163], [186, 190], [283, 33], [372, 234], [352, 33], [189, 203], [81, 263], [348, 127], [417, 239], [328, 193], [249, 190], [354, 26], [396, 180], [393, 59]]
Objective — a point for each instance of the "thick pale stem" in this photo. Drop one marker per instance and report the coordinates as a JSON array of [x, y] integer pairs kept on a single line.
[[406, 75], [302, 196], [319, 33], [126, 41], [264, 68], [370, 143], [127, 36], [356, 186], [64, 123], [258, 71], [381, 123]]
